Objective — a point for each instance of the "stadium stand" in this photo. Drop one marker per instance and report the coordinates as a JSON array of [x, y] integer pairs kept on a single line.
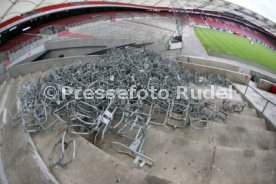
[[203, 20]]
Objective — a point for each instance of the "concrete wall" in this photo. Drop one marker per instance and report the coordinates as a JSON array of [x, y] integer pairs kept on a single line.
[[53, 29], [66, 44], [2, 68], [3, 77], [265, 85], [202, 61], [44, 65], [69, 52], [205, 70], [29, 56], [72, 44], [76, 43], [263, 76]]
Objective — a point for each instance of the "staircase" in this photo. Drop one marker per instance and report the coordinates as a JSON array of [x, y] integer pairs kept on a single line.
[[241, 151]]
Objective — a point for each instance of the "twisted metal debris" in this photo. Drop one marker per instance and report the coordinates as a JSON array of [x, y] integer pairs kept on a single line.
[[64, 146], [131, 118], [236, 107]]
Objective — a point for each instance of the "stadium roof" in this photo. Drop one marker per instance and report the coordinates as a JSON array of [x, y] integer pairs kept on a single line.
[[13, 8], [264, 7]]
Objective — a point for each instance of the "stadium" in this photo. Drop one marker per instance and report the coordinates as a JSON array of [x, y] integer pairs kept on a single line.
[[69, 69]]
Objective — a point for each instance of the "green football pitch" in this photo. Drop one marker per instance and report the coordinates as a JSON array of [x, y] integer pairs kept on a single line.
[[219, 42]]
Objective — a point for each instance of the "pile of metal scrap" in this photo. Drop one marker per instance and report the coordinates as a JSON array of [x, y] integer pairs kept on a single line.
[[233, 107], [128, 118]]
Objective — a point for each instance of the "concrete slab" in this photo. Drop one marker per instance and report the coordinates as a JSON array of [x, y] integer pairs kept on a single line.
[[243, 166], [226, 136], [3, 177], [36, 76], [246, 112], [178, 160], [236, 120], [194, 49], [91, 165], [199, 136], [47, 72], [19, 159], [10, 102], [26, 79], [3, 86], [188, 159], [3, 77], [5, 94], [243, 138], [167, 150]]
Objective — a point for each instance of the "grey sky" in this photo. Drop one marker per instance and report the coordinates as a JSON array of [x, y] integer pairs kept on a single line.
[[267, 8]]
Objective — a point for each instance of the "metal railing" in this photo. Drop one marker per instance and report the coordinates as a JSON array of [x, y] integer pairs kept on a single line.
[[26, 48], [23, 44], [22, 48], [257, 92], [267, 101]]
